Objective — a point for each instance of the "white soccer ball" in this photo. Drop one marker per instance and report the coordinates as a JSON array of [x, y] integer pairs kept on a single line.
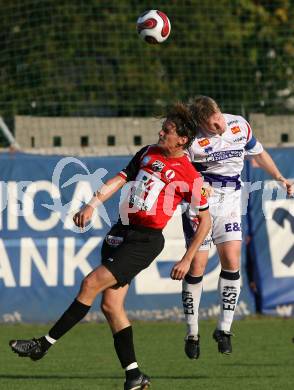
[[153, 26]]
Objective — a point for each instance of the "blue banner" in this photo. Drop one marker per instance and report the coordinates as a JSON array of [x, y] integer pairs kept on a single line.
[[43, 260], [271, 220]]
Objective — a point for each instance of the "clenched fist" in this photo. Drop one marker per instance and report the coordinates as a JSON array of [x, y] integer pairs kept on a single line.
[[83, 216]]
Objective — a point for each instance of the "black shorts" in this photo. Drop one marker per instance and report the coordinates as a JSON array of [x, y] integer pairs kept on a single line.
[[127, 250]]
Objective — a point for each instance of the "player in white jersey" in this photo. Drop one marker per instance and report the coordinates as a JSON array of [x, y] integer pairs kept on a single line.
[[218, 153]]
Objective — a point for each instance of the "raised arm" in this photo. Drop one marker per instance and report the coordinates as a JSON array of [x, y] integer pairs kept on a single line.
[[265, 161], [106, 191]]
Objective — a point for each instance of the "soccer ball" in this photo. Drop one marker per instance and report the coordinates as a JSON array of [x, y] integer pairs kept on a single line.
[[153, 26]]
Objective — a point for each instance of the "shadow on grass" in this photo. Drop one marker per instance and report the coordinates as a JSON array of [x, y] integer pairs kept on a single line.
[[61, 377], [253, 364], [111, 377]]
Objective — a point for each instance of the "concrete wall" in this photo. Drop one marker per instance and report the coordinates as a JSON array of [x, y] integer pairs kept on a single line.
[[43, 129], [268, 129]]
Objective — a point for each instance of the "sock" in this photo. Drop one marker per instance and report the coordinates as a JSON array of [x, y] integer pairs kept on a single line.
[[50, 339], [70, 318], [132, 371], [124, 347], [191, 295], [229, 291], [45, 344]]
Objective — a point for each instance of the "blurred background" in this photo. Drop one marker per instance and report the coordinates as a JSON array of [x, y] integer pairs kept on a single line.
[[76, 80], [83, 59]]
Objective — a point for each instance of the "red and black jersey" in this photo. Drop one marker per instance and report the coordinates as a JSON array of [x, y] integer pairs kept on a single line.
[[157, 185]]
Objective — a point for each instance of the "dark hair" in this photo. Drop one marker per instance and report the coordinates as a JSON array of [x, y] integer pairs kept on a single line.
[[202, 107], [182, 117]]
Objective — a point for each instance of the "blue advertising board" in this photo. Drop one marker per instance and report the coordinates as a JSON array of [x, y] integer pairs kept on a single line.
[[44, 257], [271, 216]]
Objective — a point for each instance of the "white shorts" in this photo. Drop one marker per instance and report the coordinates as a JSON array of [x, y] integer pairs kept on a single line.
[[225, 211]]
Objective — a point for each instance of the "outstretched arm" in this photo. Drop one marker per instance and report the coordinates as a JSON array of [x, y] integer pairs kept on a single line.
[[180, 269], [265, 161], [107, 190]]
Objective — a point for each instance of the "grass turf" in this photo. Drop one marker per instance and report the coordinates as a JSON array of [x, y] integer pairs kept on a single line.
[[263, 358]]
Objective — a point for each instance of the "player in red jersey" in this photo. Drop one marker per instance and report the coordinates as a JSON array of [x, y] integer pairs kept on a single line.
[[159, 177]]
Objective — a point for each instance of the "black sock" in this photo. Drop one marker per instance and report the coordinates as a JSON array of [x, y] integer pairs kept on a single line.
[[230, 275], [75, 313], [45, 343], [133, 374], [124, 346]]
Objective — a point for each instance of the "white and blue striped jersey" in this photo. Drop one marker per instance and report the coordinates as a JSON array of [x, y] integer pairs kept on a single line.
[[220, 158]]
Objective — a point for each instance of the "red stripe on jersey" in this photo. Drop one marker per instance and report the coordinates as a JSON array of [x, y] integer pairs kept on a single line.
[[249, 131]]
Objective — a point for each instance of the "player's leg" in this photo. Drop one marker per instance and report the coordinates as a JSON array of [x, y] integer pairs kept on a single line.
[[191, 296], [227, 236], [139, 248], [192, 285], [98, 280], [112, 305], [229, 291]]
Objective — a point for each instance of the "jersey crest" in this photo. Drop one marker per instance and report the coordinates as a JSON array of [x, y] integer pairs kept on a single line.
[[157, 166], [204, 192], [235, 130], [204, 142]]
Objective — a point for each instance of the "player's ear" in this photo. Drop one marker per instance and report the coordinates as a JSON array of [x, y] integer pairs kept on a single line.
[[182, 141]]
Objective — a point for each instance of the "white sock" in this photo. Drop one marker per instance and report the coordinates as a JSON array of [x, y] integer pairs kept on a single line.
[[191, 295], [229, 291], [131, 366], [50, 339]]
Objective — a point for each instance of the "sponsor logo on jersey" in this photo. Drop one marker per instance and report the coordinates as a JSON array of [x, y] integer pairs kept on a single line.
[[240, 139], [235, 130], [204, 142], [232, 122], [170, 174], [224, 155], [146, 160], [157, 166], [208, 149]]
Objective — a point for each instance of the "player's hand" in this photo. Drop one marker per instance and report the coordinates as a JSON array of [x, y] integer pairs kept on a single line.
[[289, 187], [83, 216], [180, 269]]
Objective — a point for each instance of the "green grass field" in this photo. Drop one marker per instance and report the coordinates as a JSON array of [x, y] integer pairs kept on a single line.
[[263, 358]]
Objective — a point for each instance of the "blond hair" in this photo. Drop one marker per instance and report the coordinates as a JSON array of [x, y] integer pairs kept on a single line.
[[202, 107]]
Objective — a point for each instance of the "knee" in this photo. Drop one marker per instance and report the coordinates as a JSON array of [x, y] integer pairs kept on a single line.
[[231, 264], [108, 307], [197, 269], [87, 284]]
